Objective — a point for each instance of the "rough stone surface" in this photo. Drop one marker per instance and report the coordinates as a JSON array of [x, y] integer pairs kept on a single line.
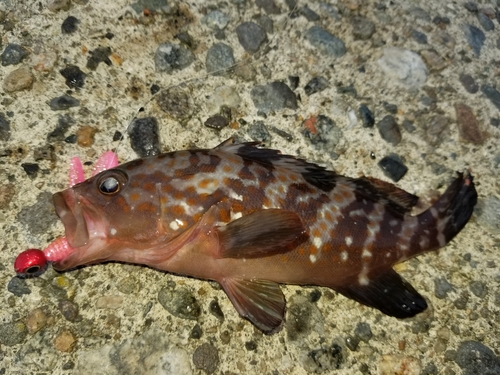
[[274, 96], [325, 42], [251, 36], [144, 136], [403, 67]]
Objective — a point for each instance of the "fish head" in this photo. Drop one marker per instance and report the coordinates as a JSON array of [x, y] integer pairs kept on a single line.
[[109, 217]]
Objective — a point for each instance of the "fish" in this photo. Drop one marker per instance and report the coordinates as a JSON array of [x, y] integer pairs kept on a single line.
[[252, 218]]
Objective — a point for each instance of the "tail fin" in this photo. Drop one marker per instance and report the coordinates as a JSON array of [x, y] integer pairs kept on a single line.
[[450, 213]]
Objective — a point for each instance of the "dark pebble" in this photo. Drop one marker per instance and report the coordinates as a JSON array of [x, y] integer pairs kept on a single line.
[[18, 287], [258, 132], [362, 28], [442, 287], [206, 358], [31, 169], [367, 117], [393, 167], [468, 125], [485, 22], [154, 89], [219, 59], [476, 358], [325, 360], [180, 302], [436, 128], [352, 342], [324, 133], [216, 311], [461, 302], [196, 332], [317, 84], [177, 102], [475, 37], [309, 14], [45, 152], [12, 333], [217, 122], [4, 127], [450, 355], [274, 96], [70, 25], [266, 22], [325, 42], [437, 169], [468, 83], [63, 102], [75, 78], [13, 54], [418, 36], [251, 36], [283, 134], [495, 122], [144, 136], [492, 94], [251, 346], [294, 82], [269, 6], [98, 56], [478, 288], [185, 39], [408, 126], [420, 327], [389, 130], [391, 108], [59, 133], [347, 90], [363, 331], [430, 369], [170, 57], [471, 6], [69, 310], [314, 296]]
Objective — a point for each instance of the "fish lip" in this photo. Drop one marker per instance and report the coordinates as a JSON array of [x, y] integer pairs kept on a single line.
[[69, 210]]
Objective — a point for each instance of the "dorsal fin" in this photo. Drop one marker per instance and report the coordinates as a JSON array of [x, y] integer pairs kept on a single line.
[[314, 174]]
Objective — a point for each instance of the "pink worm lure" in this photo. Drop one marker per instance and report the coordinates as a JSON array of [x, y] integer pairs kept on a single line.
[[33, 262]]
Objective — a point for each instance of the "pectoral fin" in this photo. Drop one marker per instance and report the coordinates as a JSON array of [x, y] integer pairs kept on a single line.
[[261, 233], [388, 292], [261, 302]]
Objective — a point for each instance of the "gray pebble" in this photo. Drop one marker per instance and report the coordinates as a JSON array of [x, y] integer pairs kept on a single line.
[[266, 22], [63, 102], [403, 66], [408, 126], [69, 310], [97, 56], [362, 28], [461, 302], [317, 84], [217, 122], [367, 117], [177, 102], [70, 25], [258, 132], [219, 59], [4, 127], [274, 96], [170, 57], [475, 37], [251, 36], [485, 22], [393, 167], [468, 83], [471, 6], [180, 302], [442, 287], [18, 287], [325, 42], [309, 14], [389, 130], [216, 20], [419, 13], [436, 128], [128, 285], [206, 358], [12, 333], [57, 5], [144, 136], [13, 54], [269, 6], [418, 36], [59, 133], [326, 135], [363, 331], [478, 288], [302, 318], [488, 213], [325, 360], [391, 108], [476, 358], [352, 343], [45, 152], [492, 94]]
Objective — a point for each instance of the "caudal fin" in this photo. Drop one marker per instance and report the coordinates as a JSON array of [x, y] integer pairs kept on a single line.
[[446, 218]]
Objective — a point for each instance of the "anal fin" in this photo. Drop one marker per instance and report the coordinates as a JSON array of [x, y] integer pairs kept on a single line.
[[261, 302], [261, 233], [387, 292]]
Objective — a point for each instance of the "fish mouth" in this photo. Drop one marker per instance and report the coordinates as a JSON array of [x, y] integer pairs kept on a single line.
[[69, 210]]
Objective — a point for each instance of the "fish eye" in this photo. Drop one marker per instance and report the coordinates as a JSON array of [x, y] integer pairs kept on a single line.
[[111, 182]]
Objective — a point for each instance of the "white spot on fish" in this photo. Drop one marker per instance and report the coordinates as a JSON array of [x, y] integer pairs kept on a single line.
[[317, 242], [363, 277], [366, 253], [388, 254], [112, 231], [236, 215], [344, 255], [313, 258], [393, 223], [173, 225], [235, 196], [434, 212], [348, 240]]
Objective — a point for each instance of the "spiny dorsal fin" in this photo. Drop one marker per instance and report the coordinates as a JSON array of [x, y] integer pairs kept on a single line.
[[261, 302], [261, 233]]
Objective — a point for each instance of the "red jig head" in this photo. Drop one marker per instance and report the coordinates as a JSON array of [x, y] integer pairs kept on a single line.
[[30, 263]]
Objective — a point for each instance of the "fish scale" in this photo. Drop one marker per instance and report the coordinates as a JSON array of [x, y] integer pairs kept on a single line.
[[251, 218]]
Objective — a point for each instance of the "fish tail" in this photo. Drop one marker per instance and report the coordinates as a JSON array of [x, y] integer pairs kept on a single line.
[[445, 219]]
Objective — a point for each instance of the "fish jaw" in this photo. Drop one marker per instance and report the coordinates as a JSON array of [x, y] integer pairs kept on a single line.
[[70, 212]]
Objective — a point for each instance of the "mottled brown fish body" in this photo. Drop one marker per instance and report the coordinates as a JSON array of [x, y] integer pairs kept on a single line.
[[251, 218]]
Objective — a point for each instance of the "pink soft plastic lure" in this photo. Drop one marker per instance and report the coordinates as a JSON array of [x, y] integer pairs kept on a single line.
[[33, 262]]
